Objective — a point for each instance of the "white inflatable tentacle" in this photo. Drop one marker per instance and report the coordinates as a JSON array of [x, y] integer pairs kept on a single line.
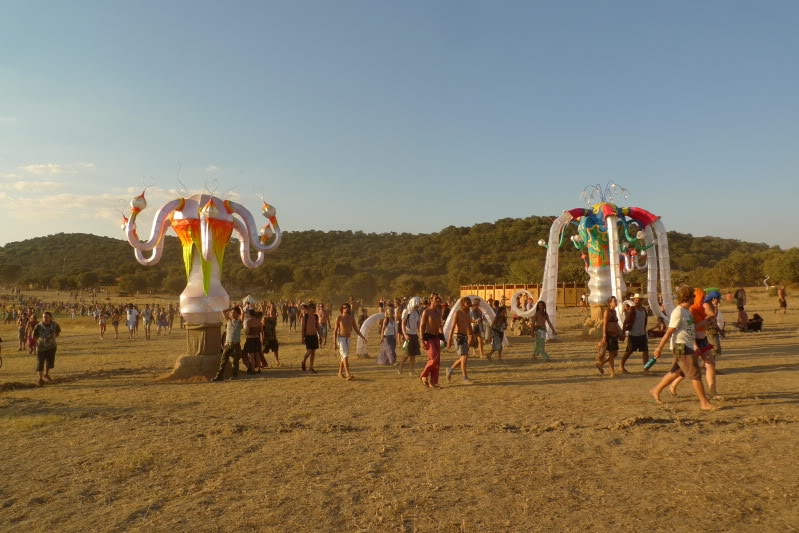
[[252, 231], [549, 291], [516, 309], [154, 258], [652, 275], [611, 221], [361, 349], [157, 231], [244, 247], [664, 264]]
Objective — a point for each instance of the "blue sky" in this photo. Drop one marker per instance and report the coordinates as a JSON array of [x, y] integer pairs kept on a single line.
[[401, 116]]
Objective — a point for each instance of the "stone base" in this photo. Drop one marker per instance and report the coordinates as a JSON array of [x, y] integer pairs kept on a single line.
[[593, 326], [203, 350], [190, 366]]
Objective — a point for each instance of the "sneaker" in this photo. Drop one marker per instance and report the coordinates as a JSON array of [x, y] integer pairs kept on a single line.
[[449, 374]]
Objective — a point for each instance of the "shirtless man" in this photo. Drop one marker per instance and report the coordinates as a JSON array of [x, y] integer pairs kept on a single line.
[[324, 325], [783, 300], [310, 335], [344, 328], [463, 332], [432, 335]]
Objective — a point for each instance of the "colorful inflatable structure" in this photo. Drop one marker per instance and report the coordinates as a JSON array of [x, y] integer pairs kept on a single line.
[[204, 224], [613, 241]]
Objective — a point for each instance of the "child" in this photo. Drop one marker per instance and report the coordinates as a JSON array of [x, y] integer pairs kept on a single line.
[[540, 321], [344, 327]]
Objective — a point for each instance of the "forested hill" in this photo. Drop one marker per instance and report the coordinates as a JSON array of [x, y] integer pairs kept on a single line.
[[336, 263]]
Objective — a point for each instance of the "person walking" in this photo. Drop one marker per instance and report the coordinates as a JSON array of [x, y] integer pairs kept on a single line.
[[232, 348], [432, 335], [635, 328], [462, 330], [411, 317], [45, 334], [388, 334], [681, 333]]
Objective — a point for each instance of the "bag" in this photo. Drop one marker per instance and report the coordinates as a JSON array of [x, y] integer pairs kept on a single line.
[[405, 345]]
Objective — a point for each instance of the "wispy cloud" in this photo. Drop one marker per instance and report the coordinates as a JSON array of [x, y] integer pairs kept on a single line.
[[54, 169], [38, 169], [6, 119], [31, 186], [212, 168]]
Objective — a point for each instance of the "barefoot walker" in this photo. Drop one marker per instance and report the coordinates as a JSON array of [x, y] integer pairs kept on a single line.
[[682, 334]]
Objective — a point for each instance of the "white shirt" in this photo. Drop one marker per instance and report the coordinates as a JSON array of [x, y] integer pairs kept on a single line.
[[683, 323], [413, 317]]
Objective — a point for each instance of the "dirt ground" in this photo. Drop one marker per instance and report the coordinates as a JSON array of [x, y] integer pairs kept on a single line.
[[531, 446]]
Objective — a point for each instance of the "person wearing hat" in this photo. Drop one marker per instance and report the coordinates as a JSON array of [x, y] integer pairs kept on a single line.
[[635, 327]]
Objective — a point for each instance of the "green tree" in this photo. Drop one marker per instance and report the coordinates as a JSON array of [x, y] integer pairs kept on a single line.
[[88, 279]]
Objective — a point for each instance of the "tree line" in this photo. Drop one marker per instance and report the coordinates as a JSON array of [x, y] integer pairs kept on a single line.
[[337, 264]]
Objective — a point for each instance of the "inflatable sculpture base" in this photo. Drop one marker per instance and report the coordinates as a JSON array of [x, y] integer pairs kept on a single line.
[[593, 326], [203, 349]]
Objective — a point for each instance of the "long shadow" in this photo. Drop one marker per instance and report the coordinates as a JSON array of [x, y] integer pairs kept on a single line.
[[780, 367]]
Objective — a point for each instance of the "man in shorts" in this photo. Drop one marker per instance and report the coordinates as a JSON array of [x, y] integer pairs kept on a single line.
[[345, 325], [269, 333], [132, 319], [147, 315], [635, 327], [324, 325], [464, 334], [45, 334], [411, 317], [310, 335], [232, 348], [681, 332]]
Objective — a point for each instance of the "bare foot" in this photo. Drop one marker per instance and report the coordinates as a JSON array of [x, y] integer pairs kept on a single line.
[[350, 377], [655, 395], [47, 377], [40, 383], [673, 390], [599, 367], [710, 407], [624, 370], [436, 386], [424, 382]]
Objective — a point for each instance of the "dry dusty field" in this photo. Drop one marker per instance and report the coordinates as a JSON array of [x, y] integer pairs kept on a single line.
[[531, 446]]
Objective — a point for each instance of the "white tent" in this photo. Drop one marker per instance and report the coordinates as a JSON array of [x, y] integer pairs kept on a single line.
[[249, 300]]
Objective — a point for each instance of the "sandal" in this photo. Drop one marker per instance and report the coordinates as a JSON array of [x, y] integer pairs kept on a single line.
[[599, 367]]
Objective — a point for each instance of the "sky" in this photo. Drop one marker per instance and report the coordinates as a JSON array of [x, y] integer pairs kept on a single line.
[[400, 116]]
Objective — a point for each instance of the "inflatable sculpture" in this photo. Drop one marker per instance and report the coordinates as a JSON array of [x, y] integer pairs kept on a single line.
[[613, 241], [204, 225]]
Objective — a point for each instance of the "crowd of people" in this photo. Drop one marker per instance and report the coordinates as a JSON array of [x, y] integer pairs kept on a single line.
[[693, 331]]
